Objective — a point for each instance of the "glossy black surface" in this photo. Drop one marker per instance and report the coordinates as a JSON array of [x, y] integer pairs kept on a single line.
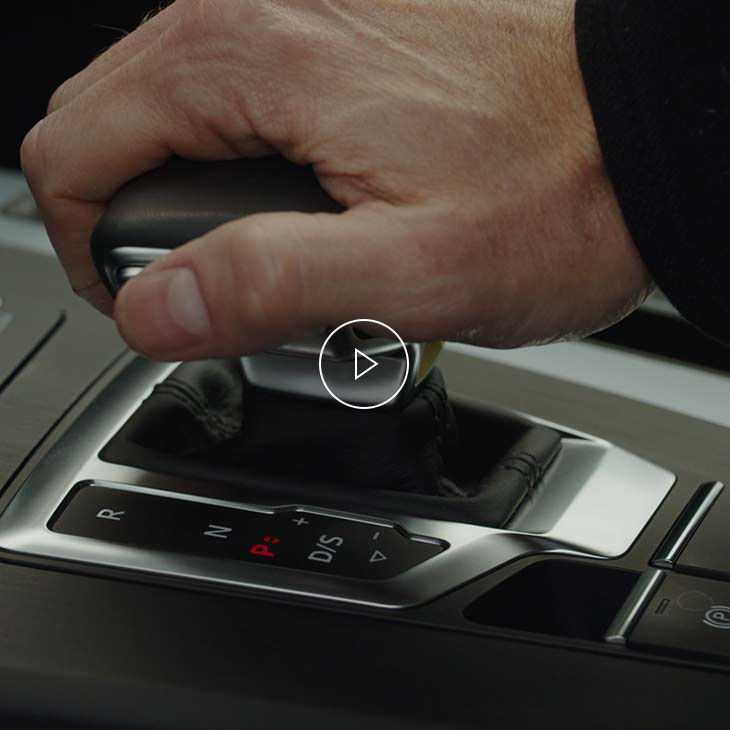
[[556, 597], [299, 540]]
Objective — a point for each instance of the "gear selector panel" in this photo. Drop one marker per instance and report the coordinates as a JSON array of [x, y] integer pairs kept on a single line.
[[286, 538], [239, 532]]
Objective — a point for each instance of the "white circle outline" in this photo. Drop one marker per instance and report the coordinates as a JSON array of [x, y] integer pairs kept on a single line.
[[387, 400]]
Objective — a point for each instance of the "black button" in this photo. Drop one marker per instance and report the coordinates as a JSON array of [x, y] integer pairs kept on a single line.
[[298, 540], [688, 615], [708, 550]]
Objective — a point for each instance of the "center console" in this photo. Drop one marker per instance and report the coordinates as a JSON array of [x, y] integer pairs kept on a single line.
[[151, 583], [592, 501]]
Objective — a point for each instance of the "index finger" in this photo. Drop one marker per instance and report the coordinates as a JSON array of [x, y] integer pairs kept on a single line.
[[127, 123]]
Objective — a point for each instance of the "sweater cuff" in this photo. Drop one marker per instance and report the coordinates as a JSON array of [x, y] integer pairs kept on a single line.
[[657, 80]]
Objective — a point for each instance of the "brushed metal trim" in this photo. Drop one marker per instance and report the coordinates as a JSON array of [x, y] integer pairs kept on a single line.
[[690, 519], [595, 500], [634, 605], [667, 384]]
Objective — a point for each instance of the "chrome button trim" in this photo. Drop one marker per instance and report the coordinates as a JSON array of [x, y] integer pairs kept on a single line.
[[690, 519], [637, 600]]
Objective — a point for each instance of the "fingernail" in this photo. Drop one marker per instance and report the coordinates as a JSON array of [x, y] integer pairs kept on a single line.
[[163, 311]]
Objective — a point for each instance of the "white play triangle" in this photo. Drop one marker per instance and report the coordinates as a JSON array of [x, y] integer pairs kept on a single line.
[[360, 372]]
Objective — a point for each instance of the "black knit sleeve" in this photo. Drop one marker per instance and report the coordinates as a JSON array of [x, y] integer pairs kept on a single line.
[[657, 75]]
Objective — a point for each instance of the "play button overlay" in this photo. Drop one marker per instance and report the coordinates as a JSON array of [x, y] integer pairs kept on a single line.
[[361, 370], [364, 364]]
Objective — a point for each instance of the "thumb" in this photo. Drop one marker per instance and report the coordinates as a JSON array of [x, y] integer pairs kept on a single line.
[[260, 281]]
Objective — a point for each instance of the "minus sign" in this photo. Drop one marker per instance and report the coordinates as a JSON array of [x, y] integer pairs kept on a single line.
[[376, 535]]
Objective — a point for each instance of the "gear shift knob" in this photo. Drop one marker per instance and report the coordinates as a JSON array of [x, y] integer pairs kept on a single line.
[[182, 200]]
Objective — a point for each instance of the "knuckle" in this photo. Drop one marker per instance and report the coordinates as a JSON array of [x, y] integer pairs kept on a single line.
[[231, 46], [30, 151], [59, 97], [36, 158]]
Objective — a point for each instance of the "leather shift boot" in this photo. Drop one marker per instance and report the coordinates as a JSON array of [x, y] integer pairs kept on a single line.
[[203, 422]]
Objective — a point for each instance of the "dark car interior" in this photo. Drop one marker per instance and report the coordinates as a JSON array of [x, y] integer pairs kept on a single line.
[[534, 538]]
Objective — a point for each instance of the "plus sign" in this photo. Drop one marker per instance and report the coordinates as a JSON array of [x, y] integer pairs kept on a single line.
[[301, 521]]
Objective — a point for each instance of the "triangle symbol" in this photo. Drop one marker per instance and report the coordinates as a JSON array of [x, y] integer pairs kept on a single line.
[[376, 557], [358, 372]]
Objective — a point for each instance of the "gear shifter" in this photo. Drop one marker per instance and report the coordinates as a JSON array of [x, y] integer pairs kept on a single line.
[[270, 418], [183, 200]]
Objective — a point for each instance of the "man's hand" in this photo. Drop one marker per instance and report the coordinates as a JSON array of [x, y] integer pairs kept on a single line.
[[457, 135]]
